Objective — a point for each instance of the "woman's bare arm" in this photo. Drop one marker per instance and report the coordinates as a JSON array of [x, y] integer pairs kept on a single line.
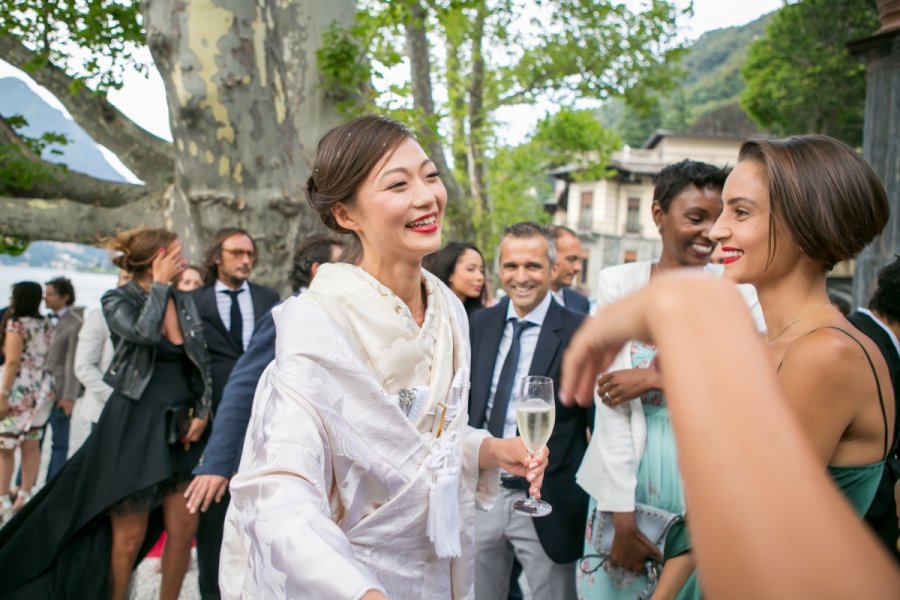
[[751, 477]]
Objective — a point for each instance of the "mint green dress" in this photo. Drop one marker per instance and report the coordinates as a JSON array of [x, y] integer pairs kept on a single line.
[[658, 484], [860, 482]]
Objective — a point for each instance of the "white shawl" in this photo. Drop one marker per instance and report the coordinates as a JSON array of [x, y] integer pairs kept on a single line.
[[336, 490]]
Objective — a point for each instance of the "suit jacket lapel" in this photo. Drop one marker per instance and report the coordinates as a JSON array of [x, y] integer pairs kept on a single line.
[[257, 302], [207, 305], [483, 371], [549, 341]]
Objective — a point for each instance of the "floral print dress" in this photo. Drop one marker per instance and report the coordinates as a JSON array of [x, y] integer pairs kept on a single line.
[[31, 393]]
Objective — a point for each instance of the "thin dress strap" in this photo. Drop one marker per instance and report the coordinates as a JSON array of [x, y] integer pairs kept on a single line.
[[874, 372]]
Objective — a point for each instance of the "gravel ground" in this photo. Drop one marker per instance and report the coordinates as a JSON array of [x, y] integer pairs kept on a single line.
[[146, 579]]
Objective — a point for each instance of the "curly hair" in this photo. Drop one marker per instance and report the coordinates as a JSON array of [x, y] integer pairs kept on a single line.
[[672, 180]]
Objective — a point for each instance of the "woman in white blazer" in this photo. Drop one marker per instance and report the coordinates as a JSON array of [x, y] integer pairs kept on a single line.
[[632, 455]]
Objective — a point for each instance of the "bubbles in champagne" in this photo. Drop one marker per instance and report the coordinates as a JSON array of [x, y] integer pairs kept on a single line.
[[535, 419]]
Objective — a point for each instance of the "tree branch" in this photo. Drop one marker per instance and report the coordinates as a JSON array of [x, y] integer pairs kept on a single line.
[[68, 221], [147, 156], [423, 100], [84, 189], [8, 136]]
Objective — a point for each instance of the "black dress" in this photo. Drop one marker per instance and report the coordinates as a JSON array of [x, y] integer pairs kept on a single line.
[[59, 544]]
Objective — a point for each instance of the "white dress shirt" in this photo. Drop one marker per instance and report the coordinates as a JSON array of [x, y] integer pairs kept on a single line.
[[527, 344], [245, 301]]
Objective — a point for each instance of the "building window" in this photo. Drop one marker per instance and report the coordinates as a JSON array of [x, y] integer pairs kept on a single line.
[[587, 210], [630, 256], [633, 216]]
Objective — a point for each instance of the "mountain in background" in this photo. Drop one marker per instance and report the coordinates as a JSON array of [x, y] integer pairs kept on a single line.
[[80, 154], [706, 99]]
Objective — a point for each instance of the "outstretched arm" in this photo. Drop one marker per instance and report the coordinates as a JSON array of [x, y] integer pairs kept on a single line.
[[724, 398]]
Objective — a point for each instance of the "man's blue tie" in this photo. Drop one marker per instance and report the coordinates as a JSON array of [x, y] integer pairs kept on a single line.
[[507, 382], [237, 321]]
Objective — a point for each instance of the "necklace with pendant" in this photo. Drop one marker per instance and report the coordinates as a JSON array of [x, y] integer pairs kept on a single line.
[[799, 318]]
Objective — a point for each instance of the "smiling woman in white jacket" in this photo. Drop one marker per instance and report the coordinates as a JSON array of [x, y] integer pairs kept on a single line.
[[632, 455]]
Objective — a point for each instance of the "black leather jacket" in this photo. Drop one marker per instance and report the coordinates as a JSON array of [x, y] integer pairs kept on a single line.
[[135, 324]]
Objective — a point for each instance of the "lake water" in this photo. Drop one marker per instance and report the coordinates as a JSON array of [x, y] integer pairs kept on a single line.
[[89, 287]]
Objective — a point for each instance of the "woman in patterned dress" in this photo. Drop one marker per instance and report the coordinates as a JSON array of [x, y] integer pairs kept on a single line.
[[25, 392]]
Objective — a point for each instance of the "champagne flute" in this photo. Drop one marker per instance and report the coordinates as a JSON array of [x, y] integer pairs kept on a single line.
[[535, 415]]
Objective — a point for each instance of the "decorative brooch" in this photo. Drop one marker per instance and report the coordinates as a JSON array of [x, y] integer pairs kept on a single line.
[[407, 398]]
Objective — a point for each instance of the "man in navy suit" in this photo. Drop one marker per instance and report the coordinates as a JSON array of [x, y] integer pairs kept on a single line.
[[223, 450], [568, 267], [531, 326], [881, 323], [229, 306]]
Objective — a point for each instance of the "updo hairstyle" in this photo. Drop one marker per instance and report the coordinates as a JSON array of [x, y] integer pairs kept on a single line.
[[344, 158], [139, 247]]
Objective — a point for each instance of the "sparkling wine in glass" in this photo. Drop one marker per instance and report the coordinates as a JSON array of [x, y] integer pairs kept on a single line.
[[535, 415]]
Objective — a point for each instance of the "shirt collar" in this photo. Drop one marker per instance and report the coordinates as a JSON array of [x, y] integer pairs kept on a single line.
[[878, 321], [536, 315], [559, 296], [221, 287], [60, 312]]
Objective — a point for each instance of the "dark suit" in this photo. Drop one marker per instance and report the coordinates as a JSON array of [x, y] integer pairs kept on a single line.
[[61, 362], [224, 352], [223, 451], [561, 533], [575, 301], [882, 515]]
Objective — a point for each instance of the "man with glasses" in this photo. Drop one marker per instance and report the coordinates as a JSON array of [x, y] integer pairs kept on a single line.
[[229, 306]]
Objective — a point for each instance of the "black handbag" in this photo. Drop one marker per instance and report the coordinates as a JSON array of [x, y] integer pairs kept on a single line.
[[653, 522], [178, 423]]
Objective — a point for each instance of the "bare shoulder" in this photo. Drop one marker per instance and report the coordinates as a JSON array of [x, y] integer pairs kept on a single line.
[[831, 363], [826, 348]]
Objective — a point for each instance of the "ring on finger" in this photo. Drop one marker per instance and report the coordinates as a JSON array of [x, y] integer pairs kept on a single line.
[[607, 397]]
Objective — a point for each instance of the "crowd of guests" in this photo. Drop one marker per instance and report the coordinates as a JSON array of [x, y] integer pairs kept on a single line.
[[360, 438]]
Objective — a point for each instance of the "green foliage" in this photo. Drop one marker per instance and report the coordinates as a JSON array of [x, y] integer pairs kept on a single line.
[[18, 170], [517, 176], [801, 78], [12, 246], [598, 50], [710, 80], [96, 38], [492, 53]]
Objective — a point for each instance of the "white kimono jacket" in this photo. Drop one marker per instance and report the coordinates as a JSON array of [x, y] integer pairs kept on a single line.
[[336, 481]]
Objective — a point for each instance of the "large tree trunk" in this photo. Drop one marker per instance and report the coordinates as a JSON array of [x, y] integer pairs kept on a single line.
[[246, 113]]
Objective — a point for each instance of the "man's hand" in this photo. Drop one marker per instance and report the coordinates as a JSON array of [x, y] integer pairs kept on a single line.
[[66, 406], [511, 455], [203, 489], [195, 430]]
